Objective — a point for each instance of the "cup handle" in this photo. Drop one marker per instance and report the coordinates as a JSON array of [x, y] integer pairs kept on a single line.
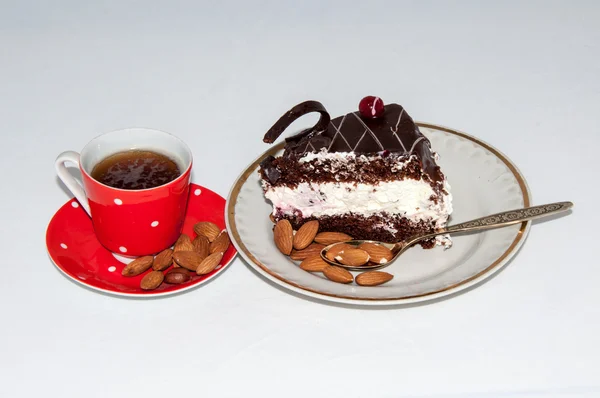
[[71, 183]]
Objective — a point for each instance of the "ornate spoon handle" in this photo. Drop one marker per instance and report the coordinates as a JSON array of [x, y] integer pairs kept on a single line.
[[488, 222], [508, 217]]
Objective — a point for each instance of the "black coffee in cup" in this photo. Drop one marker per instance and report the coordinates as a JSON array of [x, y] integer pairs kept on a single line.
[[136, 169]]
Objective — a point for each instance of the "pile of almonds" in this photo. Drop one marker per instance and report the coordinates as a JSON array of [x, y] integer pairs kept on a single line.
[[201, 256], [306, 243]]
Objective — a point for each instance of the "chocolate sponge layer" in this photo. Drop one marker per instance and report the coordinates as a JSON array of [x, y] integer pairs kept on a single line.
[[290, 172], [371, 228]]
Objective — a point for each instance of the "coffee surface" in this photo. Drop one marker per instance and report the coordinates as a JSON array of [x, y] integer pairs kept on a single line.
[[136, 169]]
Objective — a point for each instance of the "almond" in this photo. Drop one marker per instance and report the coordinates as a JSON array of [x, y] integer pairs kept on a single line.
[[306, 234], [272, 218], [313, 248], [373, 278], [209, 263], [283, 235], [152, 280], [188, 260], [313, 263], [338, 274], [183, 244], [220, 244], [328, 238], [208, 229], [353, 257], [176, 276], [378, 254], [337, 249], [137, 266], [163, 260], [201, 245]]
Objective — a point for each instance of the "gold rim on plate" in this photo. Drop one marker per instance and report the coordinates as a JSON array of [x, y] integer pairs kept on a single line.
[[233, 230]]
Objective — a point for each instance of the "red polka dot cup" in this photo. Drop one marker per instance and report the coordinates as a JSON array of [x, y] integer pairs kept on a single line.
[[131, 222]]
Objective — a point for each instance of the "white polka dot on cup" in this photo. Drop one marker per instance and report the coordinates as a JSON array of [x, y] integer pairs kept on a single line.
[[123, 249], [154, 224], [74, 204], [63, 246], [197, 192], [118, 202], [112, 268]]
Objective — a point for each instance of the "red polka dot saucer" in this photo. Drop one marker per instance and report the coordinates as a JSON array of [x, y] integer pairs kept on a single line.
[[76, 252]]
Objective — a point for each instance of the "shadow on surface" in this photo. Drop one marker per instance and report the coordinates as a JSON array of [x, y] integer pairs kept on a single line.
[[75, 174], [382, 306], [145, 297]]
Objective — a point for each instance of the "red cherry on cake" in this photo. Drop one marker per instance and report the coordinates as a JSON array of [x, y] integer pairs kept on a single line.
[[371, 107]]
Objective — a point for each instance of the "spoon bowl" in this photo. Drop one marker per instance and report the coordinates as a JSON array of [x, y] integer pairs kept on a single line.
[[497, 220]]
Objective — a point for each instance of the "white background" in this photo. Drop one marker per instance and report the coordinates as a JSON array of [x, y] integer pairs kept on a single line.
[[523, 76]]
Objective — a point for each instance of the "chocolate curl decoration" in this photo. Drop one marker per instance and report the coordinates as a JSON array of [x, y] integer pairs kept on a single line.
[[293, 114]]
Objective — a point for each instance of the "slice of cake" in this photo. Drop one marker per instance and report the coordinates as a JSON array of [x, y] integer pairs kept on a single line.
[[371, 174]]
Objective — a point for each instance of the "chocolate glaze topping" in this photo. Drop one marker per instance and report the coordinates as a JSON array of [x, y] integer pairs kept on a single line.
[[293, 114], [393, 133]]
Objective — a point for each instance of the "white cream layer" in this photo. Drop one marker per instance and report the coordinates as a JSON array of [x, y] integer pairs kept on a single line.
[[409, 198]]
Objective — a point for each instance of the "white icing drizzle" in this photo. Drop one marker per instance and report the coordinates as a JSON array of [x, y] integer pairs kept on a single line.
[[395, 130], [373, 112], [340, 126], [415, 143], [370, 132], [400, 141], [337, 132], [361, 138], [367, 130]]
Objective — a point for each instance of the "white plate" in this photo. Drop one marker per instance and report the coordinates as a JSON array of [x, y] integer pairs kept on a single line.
[[483, 181]]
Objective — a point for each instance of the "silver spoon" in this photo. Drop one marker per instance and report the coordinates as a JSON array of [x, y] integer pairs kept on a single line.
[[480, 224]]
